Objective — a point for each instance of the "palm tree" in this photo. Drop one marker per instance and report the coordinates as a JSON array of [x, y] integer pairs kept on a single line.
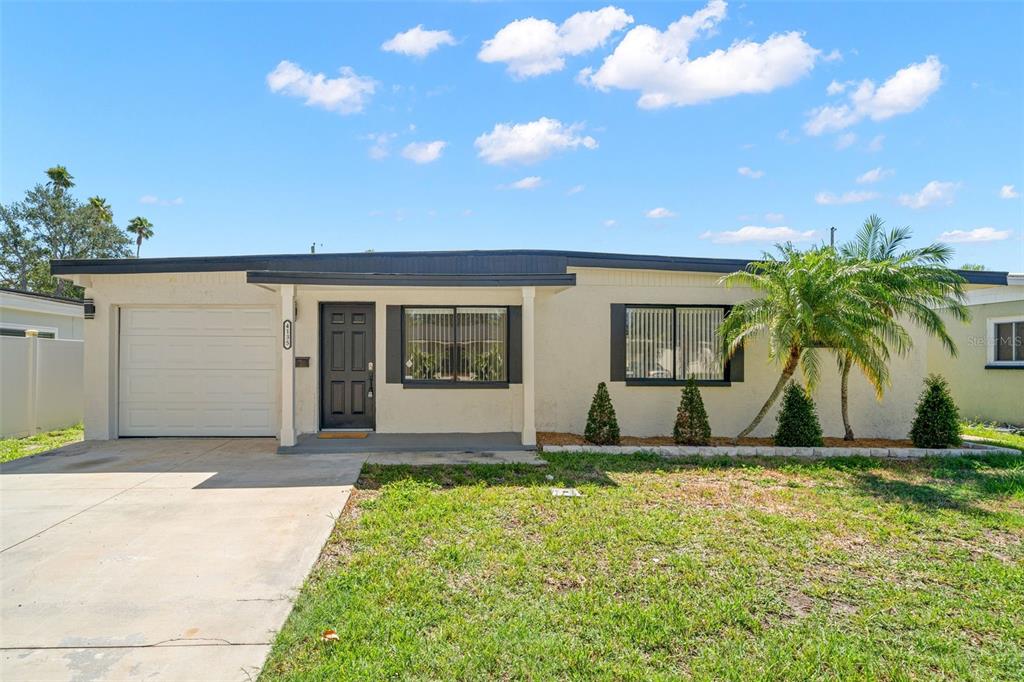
[[102, 208], [142, 229], [909, 284], [810, 299], [60, 178]]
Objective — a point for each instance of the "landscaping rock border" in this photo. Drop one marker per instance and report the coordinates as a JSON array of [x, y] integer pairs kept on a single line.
[[670, 451]]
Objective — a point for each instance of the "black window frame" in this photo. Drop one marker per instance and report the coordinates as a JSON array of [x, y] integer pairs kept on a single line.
[[726, 366], [456, 352]]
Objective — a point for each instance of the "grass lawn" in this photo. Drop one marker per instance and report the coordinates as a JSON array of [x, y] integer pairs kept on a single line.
[[735, 569], [992, 436], [13, 448]]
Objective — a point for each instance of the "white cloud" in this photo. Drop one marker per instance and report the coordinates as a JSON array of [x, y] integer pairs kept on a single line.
[[530, 142], [529, 182], [935, 192], [846, 140], [424, 152], [418, 42], [907, 89], [833, 56], [659, 213], [1008, 192], [346, 94], [533, 47], [876, 143], [610, 223], [978, 234], [785, 136], [748, 172], [830, 199], [153, 200], [836, 88], [658, 64], [874, 175], [756, 233], [575, 189], [774, 217], [380, 147]]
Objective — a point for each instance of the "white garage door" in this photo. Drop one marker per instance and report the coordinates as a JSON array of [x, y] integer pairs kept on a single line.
[[198, 371]]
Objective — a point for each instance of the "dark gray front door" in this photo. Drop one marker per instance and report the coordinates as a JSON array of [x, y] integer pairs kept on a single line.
[[346, 366]]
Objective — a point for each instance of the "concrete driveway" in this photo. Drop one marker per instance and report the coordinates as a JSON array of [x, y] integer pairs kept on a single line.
[[170, 559]]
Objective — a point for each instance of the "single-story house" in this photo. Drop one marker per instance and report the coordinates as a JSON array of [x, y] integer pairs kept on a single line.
[[54, 317], [430, 342], [987, 376]]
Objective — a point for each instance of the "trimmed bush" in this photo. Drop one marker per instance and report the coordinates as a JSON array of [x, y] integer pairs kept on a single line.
[[602, 427], [691, 427], [937, 424], [798, 420]]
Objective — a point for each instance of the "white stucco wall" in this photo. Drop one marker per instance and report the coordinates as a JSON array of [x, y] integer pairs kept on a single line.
[[573, 355], [572, 350]]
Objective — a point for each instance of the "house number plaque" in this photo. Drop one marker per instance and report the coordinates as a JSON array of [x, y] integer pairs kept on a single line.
[[287, 335]]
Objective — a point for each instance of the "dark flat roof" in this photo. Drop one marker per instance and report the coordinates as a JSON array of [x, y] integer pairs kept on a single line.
[[48, 297], [460, 263]]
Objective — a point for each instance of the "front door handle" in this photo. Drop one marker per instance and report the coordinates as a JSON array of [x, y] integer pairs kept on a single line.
[[369, 393]]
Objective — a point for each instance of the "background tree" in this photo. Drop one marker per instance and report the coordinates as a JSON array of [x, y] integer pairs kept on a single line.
[[102, 209], [49, 223], [809, 299], [60, 179], [972, 266], [911, 284], [19, 254], [142, 229]]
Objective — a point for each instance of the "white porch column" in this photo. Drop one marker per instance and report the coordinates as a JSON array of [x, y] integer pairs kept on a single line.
[[287, 437], [529, 421]]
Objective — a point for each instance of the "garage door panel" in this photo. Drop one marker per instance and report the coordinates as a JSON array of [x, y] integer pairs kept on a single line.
[[212, 352], [198, 371]]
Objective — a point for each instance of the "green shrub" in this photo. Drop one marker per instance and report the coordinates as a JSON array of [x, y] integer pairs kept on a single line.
[[691, 427], [937, 424], [798, 420], [602, 427]]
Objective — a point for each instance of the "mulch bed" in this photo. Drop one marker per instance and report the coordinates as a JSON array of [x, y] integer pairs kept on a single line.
[[557, 438]]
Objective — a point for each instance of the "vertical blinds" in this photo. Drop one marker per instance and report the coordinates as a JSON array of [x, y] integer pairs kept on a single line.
[[674, 343], [456, 344]]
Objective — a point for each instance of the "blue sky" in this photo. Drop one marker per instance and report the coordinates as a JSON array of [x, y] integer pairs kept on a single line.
[[210, 121]]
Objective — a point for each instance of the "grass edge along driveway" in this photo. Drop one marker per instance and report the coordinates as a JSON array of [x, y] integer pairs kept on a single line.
[[16, 448], [735, 569]]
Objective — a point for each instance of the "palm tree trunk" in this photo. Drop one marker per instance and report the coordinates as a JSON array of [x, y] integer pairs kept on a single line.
[[844, 397], [787, 374], [138, 246]]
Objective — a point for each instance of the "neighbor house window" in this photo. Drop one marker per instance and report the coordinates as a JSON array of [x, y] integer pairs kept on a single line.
[[673, 343], [20, 331], [455, 345], [1007, 341]]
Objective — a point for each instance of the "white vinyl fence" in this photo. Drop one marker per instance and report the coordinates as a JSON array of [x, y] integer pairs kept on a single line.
[[40, 384]]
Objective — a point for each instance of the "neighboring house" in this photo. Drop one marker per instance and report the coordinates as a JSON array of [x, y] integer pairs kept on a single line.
[[42, 372], [987, 376], [433, 342], [52, 316]]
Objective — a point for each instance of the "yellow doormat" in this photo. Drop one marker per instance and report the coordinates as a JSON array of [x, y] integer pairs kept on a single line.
[[343, 434]]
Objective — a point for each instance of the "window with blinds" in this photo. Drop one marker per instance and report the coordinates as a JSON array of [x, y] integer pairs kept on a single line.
[[456, 344], [1009, 342], [674, 343]]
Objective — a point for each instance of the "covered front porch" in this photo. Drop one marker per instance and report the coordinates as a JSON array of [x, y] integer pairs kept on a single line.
[[369, 388]]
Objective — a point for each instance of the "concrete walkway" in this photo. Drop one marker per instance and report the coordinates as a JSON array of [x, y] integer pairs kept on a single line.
[[170, 559]]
